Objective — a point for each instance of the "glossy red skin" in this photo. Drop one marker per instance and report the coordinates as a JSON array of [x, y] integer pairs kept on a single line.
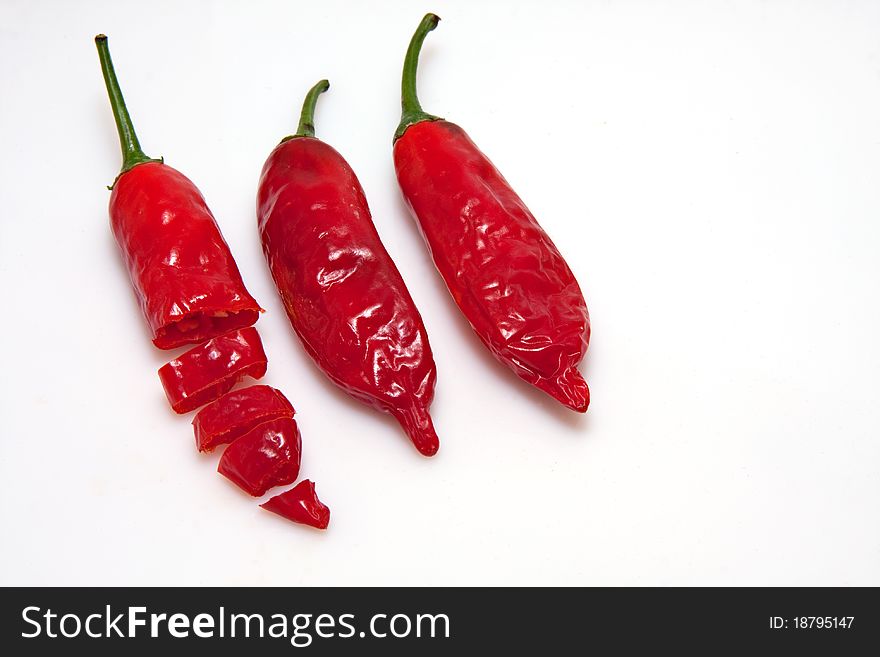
[[300, 504], [266, 456], [237, 412], [205, 372], [502, 269], [181, 268], [343, 294]]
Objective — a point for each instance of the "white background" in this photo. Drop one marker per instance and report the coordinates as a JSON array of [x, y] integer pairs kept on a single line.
[[711, 171]]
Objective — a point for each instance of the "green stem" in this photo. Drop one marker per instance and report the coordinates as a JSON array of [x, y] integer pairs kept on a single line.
[[411, 109], [307, 116], [132, 155]]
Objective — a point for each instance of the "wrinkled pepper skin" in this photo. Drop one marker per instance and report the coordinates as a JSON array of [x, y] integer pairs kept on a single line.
[[183, 273], [300, 504], [343, 294], [237, 412], [503, 271], [185, 279], [265, 457], [209, 370]]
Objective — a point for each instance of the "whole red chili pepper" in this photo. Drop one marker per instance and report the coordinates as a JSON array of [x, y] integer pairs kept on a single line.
[[343, 294], [300, 504], [209, 370], [183, 273], [505, 274], [266, 456]]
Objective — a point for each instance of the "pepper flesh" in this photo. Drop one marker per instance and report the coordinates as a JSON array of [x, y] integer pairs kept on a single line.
[[184, 276], [300, 504], [237, 412], [205, 372], [503, 271], [343, 294], [266, 456]]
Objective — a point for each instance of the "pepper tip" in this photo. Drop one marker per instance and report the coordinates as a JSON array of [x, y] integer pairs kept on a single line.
[[416, 421], [571, 390], [429, 448]]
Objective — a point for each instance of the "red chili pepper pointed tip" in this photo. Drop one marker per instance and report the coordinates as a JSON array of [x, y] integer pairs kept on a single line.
[[427, 447], [420, 429], [571, 390]]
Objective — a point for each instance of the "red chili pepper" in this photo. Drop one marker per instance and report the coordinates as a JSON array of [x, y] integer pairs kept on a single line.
[[266, 456], [205, 372], [502, 269], [236, 413], [343, 294], [300, 504], [186, 281]]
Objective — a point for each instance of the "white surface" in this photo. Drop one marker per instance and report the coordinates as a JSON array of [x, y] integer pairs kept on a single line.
[[710, 170]]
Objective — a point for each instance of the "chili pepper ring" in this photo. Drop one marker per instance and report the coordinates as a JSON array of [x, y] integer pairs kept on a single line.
[[236, 413], [203, 373], [266, 456]]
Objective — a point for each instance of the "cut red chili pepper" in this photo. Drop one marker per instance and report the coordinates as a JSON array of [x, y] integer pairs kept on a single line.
[[300, 504], [184, 276], [205, 372], [266, 456], [343, 294], [236, 413], [502, 269]]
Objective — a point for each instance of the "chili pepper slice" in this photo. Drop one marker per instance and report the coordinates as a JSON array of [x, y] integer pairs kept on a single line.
[[343, 294], [266, 456], [300, 504], [236, 413], [501, 268], [205, 372], [183, 273]]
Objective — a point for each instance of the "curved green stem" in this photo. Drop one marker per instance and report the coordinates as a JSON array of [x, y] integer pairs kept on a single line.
[[411, 109], [306, 126], [132, 155]]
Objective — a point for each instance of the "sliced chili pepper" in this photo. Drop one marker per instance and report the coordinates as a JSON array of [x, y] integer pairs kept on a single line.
[[236, 413], [266, 456], [502, 269], [205, 372], [184, 276], [300, 504], [343, 294]]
